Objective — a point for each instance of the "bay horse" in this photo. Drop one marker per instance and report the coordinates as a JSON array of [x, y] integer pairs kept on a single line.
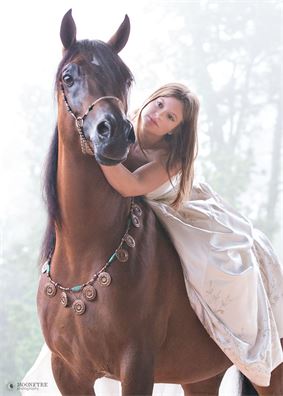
[[111, 298]]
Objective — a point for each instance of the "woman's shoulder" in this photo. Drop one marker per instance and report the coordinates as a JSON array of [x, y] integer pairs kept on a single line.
[[138, 157], [157, 155], [162, 156]]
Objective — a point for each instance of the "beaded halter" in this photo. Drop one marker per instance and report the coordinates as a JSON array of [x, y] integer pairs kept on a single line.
[[86, 145]]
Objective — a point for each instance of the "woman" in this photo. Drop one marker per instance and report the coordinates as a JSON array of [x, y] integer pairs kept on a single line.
[[166, 130], [234, 280]]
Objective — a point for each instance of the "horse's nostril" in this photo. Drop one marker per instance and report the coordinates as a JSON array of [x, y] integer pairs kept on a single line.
[[104, 128]]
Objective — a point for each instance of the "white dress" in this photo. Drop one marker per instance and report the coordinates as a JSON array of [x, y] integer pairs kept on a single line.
[[233, 278], [234, 283]]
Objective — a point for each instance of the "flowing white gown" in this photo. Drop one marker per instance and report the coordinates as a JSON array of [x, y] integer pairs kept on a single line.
[[233, 279]]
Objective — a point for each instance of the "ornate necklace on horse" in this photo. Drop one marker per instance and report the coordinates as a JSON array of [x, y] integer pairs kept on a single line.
[[87, 290]]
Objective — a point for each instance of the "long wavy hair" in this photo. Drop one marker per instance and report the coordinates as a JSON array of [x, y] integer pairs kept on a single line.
[[182, 140]]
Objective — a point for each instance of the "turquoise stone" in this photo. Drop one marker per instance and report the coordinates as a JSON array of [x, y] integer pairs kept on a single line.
[[76, 288], [112, 258], [45, 267]]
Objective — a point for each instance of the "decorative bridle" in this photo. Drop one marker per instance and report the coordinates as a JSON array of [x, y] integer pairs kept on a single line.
[[79, 120], [87, 291]]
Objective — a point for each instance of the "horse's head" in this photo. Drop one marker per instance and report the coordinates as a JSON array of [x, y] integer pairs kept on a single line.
[[94, 83]]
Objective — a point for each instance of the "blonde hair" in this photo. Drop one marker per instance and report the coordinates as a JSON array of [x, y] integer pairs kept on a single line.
[[183, 140]]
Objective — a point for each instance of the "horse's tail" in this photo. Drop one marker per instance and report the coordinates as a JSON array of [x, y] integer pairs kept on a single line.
[[247, 387]]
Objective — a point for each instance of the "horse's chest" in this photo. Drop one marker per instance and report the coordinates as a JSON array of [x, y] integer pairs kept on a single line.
[[60, 325], [75, 336]]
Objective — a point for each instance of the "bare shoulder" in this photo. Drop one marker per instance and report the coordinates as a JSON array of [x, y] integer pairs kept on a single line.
[[138, 158], [161, 157], [157, 155]]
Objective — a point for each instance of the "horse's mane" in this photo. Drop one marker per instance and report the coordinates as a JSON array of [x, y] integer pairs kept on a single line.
[[111, 72], [50, 197]]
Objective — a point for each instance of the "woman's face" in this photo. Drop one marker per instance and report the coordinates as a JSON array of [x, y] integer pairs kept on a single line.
[[162, 115]]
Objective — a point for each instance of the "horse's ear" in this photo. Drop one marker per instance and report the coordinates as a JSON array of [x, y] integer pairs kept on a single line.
[[68, 30], [120, 38]]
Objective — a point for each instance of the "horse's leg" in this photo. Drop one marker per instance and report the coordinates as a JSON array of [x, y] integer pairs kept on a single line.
[[137, 373], [209, 387], [67, 381]]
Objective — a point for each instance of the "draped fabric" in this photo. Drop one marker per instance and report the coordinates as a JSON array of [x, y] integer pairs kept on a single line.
[[233, 278]]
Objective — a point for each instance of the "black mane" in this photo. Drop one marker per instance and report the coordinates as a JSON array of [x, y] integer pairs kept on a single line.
[[113, 76]]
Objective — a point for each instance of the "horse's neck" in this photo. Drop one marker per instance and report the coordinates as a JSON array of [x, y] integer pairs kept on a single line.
[[93, 215]]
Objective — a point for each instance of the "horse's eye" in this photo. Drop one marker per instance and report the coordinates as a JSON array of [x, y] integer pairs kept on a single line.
[[68, 80]]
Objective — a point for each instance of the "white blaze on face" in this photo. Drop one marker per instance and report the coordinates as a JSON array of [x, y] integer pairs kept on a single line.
[[94, 61]]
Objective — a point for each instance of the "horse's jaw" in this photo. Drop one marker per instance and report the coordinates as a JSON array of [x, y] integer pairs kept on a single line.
[[108, 160], [111, 150]]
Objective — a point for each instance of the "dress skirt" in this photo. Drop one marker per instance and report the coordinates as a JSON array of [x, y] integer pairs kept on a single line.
[[233, 278]]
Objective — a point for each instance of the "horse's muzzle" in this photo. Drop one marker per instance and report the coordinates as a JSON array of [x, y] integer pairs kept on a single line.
[[107, 129], [112, 141]]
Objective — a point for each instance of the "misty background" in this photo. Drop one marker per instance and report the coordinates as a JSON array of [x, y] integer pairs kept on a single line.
[[228, 52]]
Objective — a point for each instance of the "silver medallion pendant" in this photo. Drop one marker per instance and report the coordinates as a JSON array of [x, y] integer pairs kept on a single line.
[[79, 307], [89, 292], [135, 220], [129, 240], [137, 210], [122, 255], [64, 299], [104, 279], [50, 290]]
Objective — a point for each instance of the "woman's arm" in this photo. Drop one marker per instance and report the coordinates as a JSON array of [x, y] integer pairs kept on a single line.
[[142, 181]]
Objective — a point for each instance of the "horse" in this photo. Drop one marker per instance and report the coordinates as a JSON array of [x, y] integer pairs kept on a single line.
[[111, 296]]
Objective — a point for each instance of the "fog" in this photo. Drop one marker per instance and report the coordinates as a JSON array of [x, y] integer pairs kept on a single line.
[[228, 52]]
